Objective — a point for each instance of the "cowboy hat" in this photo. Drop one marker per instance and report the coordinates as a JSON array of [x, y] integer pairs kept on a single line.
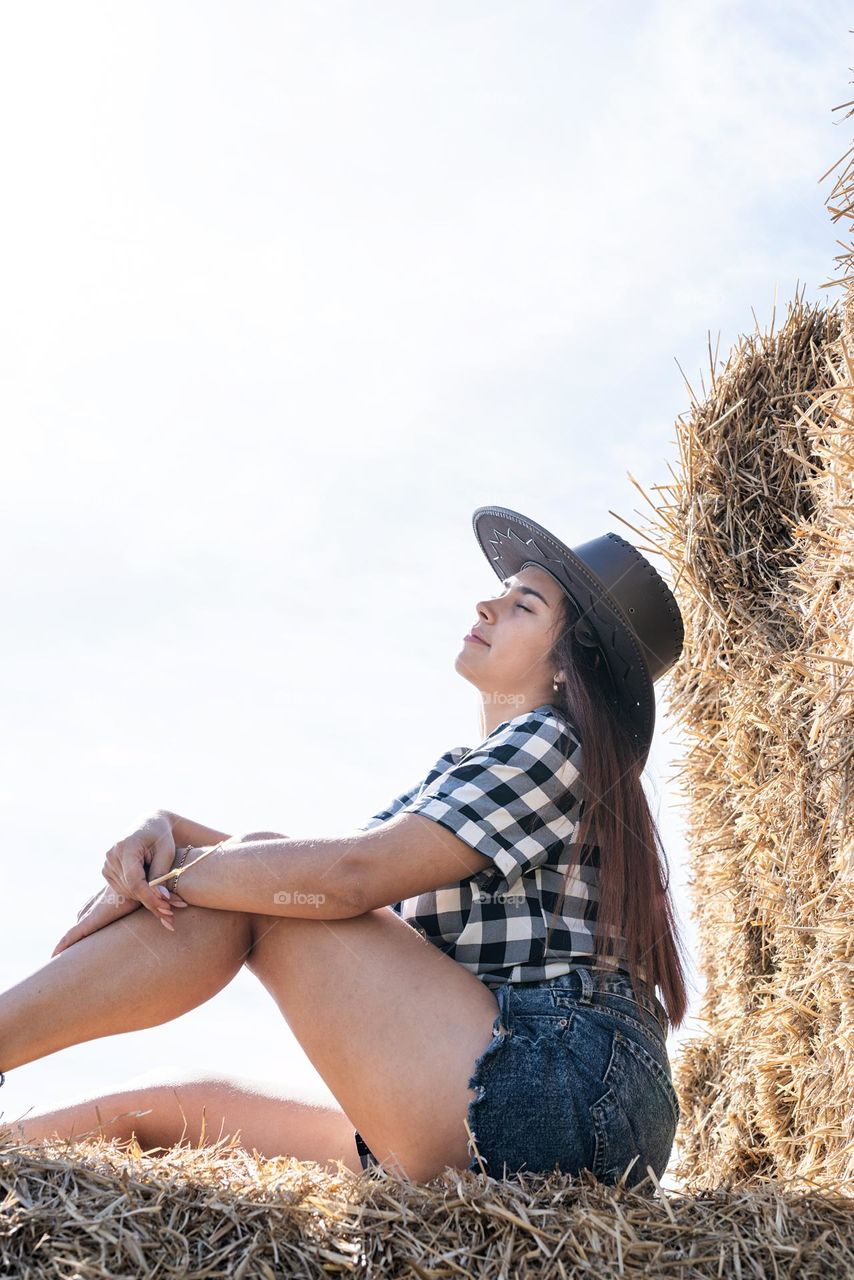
[[624, 606]]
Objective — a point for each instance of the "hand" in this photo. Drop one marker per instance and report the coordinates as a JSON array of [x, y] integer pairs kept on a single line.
[[102, 908], [151, 848], [154, 838]]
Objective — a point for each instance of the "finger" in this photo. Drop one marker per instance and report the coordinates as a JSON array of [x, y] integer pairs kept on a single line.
[[143, 892], [164, 841], [88, 904], [122, 862], [64, 942], [134, 875], [117, 890], [112, 873], [170, 899]]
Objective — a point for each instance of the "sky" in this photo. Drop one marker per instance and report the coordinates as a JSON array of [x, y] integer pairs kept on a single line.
[[287, 291]]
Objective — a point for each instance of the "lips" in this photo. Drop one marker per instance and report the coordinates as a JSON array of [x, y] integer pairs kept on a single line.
[[472, 635]]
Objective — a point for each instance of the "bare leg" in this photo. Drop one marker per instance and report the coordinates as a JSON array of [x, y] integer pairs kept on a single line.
[[189, 1107], [131, 974], [134, 974]]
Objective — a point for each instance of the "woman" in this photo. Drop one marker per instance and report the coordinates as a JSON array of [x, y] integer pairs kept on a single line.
[[473, 971]]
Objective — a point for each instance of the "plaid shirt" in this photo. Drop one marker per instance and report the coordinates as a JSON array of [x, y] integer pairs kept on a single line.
[[517, 799]]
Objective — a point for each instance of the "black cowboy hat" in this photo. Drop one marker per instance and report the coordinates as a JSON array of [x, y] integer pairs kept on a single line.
[[624, 606]]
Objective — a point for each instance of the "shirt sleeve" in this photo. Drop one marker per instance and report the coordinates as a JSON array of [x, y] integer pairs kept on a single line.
[[515, 798], [399, 802], [411, 793]]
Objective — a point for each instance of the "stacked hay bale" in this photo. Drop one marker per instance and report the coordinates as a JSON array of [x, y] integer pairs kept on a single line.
[[97, 1208], [759, 530]]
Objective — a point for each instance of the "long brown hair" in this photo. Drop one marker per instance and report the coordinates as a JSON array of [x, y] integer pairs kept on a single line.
[[633, 893]]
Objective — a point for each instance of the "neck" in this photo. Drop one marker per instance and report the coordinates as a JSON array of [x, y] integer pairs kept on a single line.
[[495, 710]]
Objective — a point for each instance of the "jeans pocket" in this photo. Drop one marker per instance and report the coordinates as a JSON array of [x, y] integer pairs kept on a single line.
[[534, 1026], [637, 1116]]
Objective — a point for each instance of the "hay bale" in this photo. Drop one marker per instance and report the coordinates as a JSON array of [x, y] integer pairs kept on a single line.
[[758, 529], [103, 1208]]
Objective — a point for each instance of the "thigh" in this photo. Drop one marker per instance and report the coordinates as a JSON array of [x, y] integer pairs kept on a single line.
[[392, 1025]]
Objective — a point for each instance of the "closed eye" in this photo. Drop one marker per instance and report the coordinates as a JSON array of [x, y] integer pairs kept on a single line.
[[518, 606]]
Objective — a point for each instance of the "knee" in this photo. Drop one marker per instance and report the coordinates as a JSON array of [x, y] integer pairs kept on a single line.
[[178, 1110]]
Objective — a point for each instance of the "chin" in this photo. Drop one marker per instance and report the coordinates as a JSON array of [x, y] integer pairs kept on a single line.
[[461, 661], [464, 670]]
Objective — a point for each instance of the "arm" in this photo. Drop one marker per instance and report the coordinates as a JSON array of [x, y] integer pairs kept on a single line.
[[411, 854], [331, 879], [185, 831]]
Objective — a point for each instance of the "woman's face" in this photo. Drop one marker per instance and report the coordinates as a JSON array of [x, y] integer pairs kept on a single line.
[[518, 625]]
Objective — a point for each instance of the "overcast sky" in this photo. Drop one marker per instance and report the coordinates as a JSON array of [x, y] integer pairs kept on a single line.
[[288, 290]]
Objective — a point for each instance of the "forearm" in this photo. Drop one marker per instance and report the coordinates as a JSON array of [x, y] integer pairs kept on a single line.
[[281, 877], [185, 831]]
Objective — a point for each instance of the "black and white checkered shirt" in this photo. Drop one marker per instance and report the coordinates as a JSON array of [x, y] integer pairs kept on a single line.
[[517, 799]]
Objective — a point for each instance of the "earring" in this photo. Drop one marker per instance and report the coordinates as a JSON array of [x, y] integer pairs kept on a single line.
[[555, 686]]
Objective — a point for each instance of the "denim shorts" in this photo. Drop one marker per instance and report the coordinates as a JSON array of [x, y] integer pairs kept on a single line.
[[576, 1077]]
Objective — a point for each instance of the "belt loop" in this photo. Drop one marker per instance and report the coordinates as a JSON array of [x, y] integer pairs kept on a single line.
[[586, 984], [503, 1024]]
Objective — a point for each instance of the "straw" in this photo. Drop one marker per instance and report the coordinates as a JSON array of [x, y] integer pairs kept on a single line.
[[95, 1208], [170, 875]]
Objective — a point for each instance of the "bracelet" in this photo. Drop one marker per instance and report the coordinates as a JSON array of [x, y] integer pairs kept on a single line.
[[174, 874], [183, 859]]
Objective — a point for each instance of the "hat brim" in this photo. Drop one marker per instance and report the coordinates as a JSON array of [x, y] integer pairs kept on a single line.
[[511, 541]]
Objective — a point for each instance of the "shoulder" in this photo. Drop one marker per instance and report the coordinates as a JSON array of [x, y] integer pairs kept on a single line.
[[446, 761]]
